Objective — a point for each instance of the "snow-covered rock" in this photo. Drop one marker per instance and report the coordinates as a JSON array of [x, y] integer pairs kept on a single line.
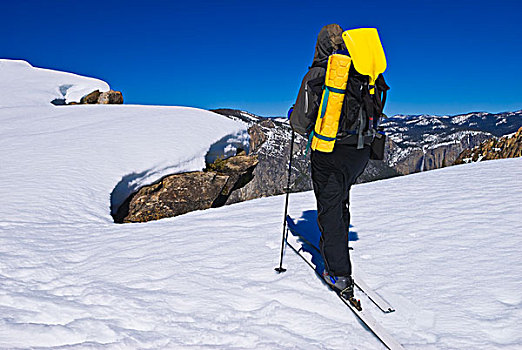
[[181, 193], [25, 85], [87, 158]]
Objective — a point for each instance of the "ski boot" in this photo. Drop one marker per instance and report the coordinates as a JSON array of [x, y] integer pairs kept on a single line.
[[342, 284]]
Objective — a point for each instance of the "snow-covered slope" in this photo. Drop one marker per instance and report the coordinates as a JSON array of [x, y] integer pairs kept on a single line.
[[25, 85], [444, 247]]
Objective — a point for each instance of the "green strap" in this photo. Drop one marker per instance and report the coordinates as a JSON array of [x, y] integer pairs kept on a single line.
[[324, 138], [337, 91], [319, 136], [325, 101]]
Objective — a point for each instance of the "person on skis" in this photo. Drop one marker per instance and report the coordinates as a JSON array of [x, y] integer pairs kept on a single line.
[[333, 173]]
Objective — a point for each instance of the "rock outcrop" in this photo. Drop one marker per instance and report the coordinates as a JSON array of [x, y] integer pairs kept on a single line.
[[270, 142], [107, 97], [181, 193], [91, 98], [495, 148], [110, 97]]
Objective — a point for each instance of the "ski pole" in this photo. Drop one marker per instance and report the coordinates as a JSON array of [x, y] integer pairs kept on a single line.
[[287, 189]]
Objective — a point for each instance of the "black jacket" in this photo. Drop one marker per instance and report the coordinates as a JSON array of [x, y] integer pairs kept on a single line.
[[306, 107]]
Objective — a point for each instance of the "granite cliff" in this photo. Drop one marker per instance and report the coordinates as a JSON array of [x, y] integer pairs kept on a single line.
[[509, 146]]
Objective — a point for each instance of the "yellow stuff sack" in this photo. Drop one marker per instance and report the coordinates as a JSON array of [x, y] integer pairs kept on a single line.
[[327, 122]]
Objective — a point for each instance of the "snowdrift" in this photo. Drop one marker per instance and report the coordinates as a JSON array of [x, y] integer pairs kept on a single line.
[[63, 163], [25, 85], [72, 164], [444, 247]]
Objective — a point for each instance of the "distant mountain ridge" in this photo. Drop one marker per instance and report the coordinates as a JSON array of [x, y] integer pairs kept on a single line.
[[415, 143], [426, 142]]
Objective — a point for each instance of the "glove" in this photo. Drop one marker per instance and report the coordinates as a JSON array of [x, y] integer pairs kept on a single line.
[[290, 111]]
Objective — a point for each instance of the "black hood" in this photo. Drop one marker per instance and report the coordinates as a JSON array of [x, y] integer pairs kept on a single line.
[[329, 40]]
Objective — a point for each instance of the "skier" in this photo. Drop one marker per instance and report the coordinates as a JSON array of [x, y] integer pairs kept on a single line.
[[333, 173]]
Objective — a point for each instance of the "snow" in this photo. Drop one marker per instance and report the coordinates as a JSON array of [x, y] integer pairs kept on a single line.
[[461, 119], [501, 121], [75, 157], [430, 120], [443, 247], [25, 85]]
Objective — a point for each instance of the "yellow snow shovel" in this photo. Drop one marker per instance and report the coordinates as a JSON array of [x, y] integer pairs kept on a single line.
[[366, 51]]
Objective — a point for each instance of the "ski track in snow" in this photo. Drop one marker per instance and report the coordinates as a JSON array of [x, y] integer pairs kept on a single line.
[[443, 247]]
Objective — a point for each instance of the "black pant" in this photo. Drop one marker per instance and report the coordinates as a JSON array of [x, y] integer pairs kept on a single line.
[[333, 174]]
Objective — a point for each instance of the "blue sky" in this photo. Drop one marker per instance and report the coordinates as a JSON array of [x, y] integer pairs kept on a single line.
[[444, 57]]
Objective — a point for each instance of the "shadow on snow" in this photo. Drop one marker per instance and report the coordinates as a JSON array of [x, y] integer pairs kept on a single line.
[[308, 234]]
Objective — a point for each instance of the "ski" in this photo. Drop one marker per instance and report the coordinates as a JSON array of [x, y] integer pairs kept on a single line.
[[375, 298], [305, 250]]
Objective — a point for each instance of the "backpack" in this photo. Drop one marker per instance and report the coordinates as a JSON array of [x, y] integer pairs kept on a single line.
[[352, 103]]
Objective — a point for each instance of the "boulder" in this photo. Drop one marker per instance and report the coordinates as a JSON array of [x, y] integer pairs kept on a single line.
[[110, 97], [91, 98], [97, 97], [182, 193]]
